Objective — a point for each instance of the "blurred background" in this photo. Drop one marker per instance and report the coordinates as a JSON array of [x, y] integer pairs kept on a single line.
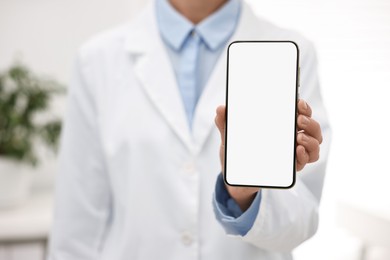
[[353, 44]]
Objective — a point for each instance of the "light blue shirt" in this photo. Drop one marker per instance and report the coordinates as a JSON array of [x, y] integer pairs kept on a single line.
[[194, 51]]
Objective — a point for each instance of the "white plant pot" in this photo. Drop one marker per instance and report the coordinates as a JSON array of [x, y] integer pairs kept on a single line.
[[15, 183]]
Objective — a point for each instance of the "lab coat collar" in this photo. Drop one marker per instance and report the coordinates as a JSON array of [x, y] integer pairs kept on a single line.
[[154, 71]]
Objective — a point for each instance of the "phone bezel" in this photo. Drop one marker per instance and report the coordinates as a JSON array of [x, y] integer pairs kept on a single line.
[[296, 114]]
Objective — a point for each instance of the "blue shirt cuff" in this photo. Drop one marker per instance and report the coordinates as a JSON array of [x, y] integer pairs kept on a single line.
[[229, 214]]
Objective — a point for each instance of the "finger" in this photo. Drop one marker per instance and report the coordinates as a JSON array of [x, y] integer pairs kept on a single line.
[[311, 145], [304, 108], [302, 157], [220, 121], [311, 127]]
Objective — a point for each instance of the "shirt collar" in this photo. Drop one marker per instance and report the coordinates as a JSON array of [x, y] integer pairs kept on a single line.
[[215, 30]]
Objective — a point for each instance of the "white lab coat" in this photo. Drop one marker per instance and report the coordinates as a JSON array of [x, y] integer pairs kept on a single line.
[[136, 183]]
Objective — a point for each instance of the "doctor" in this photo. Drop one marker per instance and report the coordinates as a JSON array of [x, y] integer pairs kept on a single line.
[[139, 165]]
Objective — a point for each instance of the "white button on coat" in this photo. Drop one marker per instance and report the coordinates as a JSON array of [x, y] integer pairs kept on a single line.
[[189, 168], [187, 238]]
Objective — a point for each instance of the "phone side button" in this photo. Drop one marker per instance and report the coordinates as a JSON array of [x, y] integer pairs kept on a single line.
[[299, 76]]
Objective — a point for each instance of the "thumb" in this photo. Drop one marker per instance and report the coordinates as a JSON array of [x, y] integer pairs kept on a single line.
[[220, 121]]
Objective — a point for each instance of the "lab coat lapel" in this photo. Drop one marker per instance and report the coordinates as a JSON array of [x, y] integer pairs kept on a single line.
[[154, 72], [214, 93]]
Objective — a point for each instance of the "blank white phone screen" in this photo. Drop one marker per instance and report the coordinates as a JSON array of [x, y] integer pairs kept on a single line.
[[262, 83]]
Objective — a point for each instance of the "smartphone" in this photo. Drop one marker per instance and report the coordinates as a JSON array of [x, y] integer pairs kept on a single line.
[[261, 113]]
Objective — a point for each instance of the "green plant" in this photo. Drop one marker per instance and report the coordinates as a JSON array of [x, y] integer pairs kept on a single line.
[[24, 96]]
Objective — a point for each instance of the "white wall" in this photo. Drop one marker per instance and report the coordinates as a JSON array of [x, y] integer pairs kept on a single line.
[[46, 33]]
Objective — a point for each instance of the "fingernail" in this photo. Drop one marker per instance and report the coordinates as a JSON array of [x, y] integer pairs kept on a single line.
[[304, 105], [304, 138], [305, 120]]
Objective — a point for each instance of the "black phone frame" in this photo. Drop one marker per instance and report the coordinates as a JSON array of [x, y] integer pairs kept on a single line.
[[297, 85]]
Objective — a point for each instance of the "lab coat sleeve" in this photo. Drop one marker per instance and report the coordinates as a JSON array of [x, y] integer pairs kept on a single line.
[[287, 218], [82, 198]]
